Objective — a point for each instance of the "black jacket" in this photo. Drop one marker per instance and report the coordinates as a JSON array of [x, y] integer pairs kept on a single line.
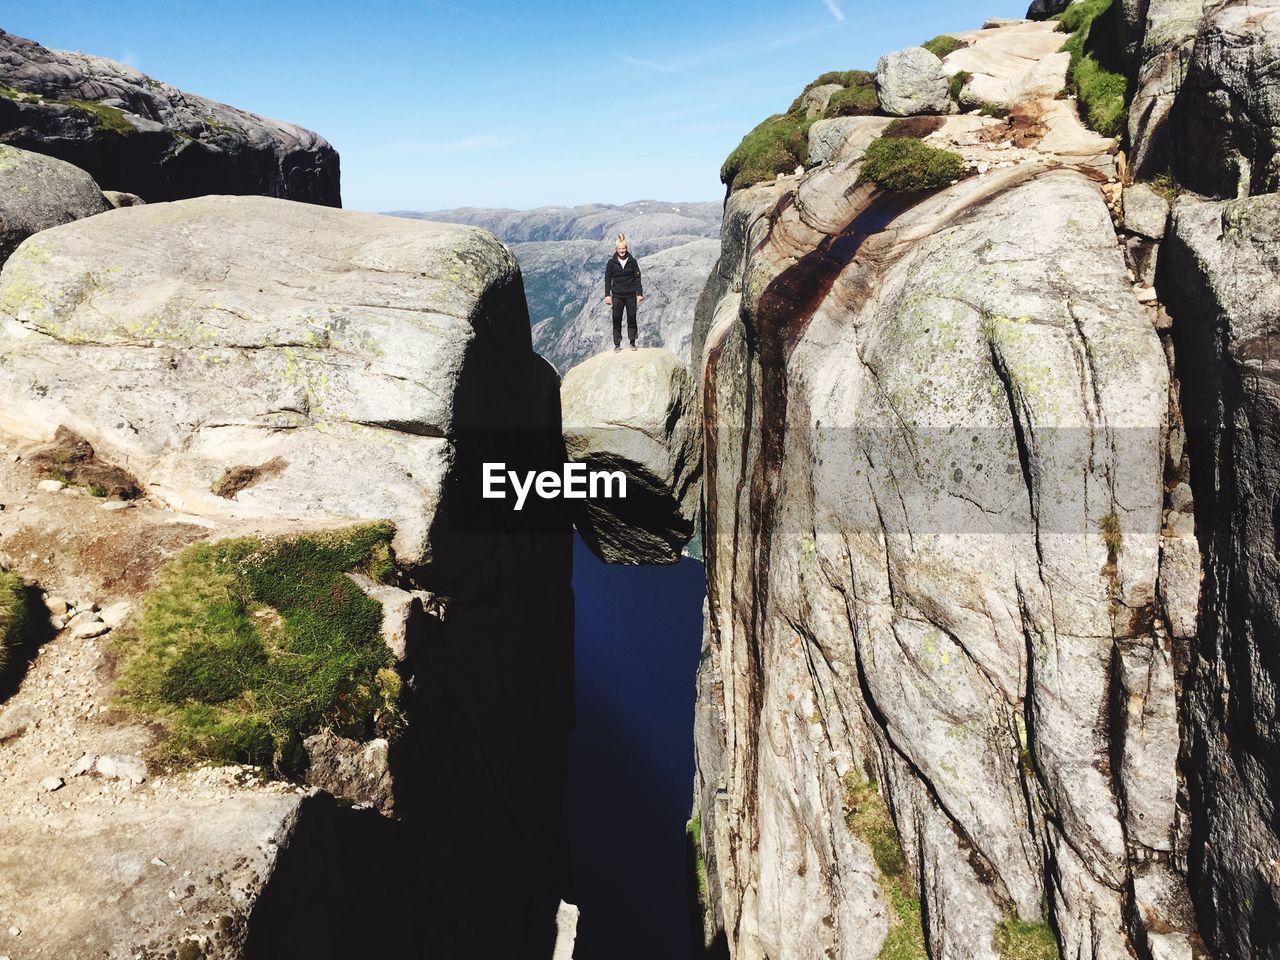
[[624, 281]]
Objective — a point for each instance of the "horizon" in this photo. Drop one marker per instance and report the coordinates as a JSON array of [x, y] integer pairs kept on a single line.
[[688, 100]]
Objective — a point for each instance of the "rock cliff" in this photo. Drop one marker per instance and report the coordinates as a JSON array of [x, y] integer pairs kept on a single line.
[[211, 408], [953, 669], [136, 134]]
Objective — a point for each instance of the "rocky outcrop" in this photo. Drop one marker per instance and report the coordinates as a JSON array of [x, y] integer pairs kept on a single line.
[[635, 412], [1010, 64], [938, 685], [1227, 119], [911, 82], [266, 368], [133, 133], [38, 192], [1168, 29], [1219, 276], [191, 319]]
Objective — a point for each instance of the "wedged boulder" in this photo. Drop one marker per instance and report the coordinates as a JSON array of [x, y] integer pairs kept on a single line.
[[232, 350], [635, 412], [39, 192], [1145, 211], [1227, 119], [136, 134], [1220, 278], [911, 82], [934, 492]]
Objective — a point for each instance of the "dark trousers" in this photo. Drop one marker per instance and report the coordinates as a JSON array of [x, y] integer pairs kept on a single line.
[[621, 300]]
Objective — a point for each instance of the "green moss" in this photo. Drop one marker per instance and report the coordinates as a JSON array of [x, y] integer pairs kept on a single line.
[[1165, 187], [867, 817], [778, 145], [958, 81], [989, 110], [854, 101], [943, 45], [247, 646], [1017, 940], [104, 117], [693, 831], [14, 614], [781, 143], [901, 163], [1101, 91], [1111, 536], [846, 78], [101, 115]]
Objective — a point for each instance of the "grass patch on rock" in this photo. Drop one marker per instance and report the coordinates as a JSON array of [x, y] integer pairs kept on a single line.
[[1102, 92], [867, 817], [907, 165], [1018, 940], [957, 85], [781, 143], [778, 145], [14, 614], [693, 833], [245, 647], [943, 45]]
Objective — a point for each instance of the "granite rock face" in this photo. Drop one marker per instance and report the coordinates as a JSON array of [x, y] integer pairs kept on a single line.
[[1162, 50], [1220, 277], [934, 470], [636, 412], [38, 192], [911, 82], [135, 134], [191, 320], [1010, 64], [1227, 119], [263, 367]]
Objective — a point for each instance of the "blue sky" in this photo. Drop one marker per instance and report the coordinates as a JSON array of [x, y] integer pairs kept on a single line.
[[437, 104]]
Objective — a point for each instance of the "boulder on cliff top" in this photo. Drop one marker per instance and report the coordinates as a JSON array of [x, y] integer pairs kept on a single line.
[[911, 82], [320, 362], [39, 192], [635, 412], [135, 134]]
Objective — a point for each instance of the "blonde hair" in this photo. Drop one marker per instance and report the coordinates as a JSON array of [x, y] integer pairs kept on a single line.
[[622, 240]]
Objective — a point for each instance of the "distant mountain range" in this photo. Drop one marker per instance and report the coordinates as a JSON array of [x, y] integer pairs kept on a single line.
[[562, 253]]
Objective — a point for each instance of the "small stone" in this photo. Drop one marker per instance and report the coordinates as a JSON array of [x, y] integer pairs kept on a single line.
[[82, 766], [117, 505], [50, 486], [115, 614], [15, 931], [156, 861], [88, 629], [1146, 294], [57, 606], [121, 767], [50, 784]]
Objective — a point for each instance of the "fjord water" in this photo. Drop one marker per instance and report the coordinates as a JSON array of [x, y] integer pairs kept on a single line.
[[628, 796]]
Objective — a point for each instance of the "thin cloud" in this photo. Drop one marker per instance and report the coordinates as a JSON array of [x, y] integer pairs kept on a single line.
[[835, 9], [466, 11], [651, 64]]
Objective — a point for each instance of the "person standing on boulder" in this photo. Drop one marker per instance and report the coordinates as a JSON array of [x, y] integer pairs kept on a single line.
[[623, 290]]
